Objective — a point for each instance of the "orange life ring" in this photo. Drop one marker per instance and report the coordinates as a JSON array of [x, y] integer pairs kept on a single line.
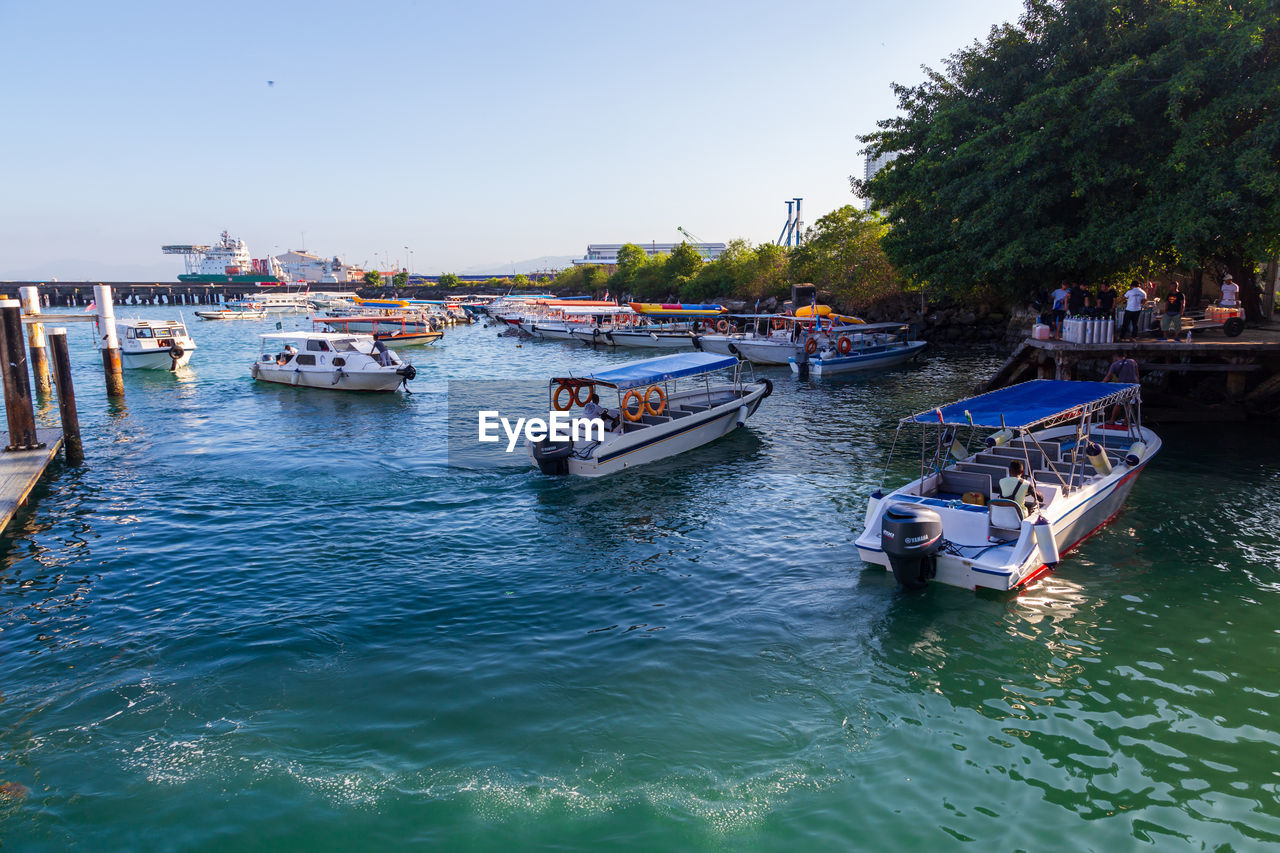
[[577, 397], [555, 398], [722, 326], [844, 346], [779, 323], [626, 405], [811, 346], [662, 400]]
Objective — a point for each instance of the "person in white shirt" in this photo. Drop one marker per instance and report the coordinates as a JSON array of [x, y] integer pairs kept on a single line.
[[1134, 298], [1230, 292], [593, 409], [1059, 299]]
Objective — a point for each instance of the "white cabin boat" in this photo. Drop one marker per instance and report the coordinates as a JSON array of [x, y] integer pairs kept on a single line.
[[847, 349], [330, 360], [952, 523], [154, 344], [665, 405]]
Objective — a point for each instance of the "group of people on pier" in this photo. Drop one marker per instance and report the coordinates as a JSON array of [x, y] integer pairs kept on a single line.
[[1071, 299]]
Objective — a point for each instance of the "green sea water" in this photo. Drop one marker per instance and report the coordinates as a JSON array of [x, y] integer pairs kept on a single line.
[[267, 618]]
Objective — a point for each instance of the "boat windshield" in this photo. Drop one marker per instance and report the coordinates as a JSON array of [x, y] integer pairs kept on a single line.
[[142, 332]]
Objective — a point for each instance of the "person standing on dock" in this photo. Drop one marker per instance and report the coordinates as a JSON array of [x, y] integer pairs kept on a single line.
[[1123, 369], [1106, 301], [1174, 303], [1077, 299], [1230, 292], [1059, 298], [1134, 298]]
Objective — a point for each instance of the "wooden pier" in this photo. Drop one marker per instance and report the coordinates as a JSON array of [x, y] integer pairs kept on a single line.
[[1210, 378], [20, 470]]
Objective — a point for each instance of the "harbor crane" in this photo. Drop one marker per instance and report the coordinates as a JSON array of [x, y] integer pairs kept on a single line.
[[699, 246]]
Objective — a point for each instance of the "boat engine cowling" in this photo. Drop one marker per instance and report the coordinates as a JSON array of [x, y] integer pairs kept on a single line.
[[911, 536], [553, 456]]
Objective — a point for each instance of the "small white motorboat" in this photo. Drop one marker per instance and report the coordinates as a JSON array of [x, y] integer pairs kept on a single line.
[[239, 310], [330, 360], [954, 525], [847, 349], [665, 405], [154, 344]]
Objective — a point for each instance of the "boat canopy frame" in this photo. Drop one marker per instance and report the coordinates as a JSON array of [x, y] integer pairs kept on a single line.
[[1038, 405]]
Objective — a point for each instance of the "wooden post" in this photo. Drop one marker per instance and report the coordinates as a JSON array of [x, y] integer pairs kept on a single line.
[[30, 299], [108, 341], [17, 388], [71, 444]]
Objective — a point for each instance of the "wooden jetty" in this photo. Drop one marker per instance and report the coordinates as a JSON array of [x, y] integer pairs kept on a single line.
[[20, 470], [1209, 378]]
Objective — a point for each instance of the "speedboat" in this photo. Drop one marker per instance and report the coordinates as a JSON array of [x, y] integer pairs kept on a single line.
[[852, 348], [392, 331], [667, 405], [154, 344], [952, 525], [237, 310], [332, 360]]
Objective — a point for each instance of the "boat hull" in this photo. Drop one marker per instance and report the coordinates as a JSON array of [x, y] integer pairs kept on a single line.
[[764, 352], [231, 315], [158, 359], [834, 365], [649, 340], [328, 378]]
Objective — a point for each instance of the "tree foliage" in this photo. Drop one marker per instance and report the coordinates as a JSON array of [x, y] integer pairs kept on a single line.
[[842, 254], [1089, 139], [448, 279], [373, 278]]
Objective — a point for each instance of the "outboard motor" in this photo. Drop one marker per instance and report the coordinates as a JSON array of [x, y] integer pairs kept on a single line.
[[911, 536], [553, 456]]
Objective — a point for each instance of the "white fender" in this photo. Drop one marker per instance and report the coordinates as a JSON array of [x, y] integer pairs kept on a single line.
[[1136, 451], [742, 415], [999, 438], [1045, 542], [873, 504], [1098, 458]]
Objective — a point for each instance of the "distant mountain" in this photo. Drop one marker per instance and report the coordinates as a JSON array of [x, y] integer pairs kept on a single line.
[[543, 264]]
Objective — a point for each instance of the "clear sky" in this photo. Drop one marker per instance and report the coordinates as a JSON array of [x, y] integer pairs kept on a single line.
[[477, 134]]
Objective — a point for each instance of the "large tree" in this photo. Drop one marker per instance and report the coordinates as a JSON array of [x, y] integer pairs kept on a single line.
[[1090, 139], [842, 253]]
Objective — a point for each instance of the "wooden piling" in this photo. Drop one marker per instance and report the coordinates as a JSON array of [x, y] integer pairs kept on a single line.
[[72, 445], [29, 297], [109, 342], [18, 407]]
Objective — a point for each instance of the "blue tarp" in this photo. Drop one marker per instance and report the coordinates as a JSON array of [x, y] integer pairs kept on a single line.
[[1024, 405], [651, 371]]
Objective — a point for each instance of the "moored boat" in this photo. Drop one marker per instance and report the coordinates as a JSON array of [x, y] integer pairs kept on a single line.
[[330, 360], [954, 524], [849, 349], [154, 344], [241, 310], [665, 405], [392, 331]]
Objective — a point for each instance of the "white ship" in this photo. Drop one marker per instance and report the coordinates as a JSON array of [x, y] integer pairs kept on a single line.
[[226, 262]]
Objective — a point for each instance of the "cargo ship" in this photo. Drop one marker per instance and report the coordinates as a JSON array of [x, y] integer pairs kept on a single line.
[[227, 262]]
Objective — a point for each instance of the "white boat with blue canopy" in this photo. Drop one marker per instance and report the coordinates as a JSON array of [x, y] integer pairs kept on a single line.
[[968, 521], [871, 346], [654, 408]]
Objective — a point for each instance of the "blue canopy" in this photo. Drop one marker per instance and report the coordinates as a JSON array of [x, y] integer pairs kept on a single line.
[[651, 371], [1026, 404]]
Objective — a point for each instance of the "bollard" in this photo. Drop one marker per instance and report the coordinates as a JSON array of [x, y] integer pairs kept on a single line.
[[17, 388], [30, 299], [108, 341], [71, 443]]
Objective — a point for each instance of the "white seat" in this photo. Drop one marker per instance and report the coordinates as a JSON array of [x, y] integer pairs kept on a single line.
[[1004, 514]]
